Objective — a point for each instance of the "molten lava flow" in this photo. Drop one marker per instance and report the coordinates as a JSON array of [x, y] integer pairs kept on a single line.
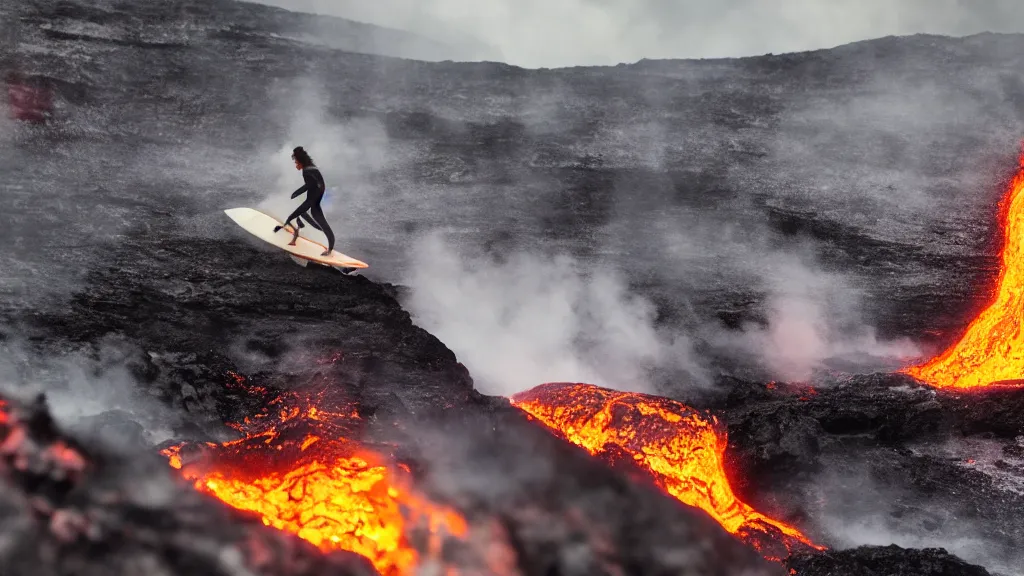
[[992, 349], [681, 448], [297, 471]]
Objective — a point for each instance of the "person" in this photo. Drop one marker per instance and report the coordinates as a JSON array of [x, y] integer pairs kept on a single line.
[[309, 210]]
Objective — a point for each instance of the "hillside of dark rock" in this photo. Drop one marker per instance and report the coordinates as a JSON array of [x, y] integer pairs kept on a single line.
[[849, 194]]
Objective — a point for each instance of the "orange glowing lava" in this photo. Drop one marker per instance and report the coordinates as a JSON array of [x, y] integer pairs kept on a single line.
[[296, 471], [992, 348], [681, 448]]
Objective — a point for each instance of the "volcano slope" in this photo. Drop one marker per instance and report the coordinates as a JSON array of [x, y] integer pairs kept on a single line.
[[179, 304], [124, 287], [168, 311], [637, 167]]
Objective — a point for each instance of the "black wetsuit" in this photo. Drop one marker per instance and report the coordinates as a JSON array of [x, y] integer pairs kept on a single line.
[[314, 189]]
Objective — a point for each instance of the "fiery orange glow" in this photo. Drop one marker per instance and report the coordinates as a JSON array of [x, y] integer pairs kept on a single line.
[[992, 348], [681, 448], [295, 469]]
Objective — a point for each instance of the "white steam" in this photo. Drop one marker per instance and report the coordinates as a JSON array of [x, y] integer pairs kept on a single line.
[[532, 319], [813, 317], [856, 509], [348, 153], [83, 384], [529, 318], [808, 318]]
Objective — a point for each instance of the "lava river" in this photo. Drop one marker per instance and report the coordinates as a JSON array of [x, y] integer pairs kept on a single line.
[[296, 470], [682, 449], [992, 348]]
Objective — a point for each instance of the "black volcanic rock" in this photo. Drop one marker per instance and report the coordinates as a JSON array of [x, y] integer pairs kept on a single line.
[[888, 561], [992, 411], [823, 451], [768, 423], [778, 420], [566, 152]]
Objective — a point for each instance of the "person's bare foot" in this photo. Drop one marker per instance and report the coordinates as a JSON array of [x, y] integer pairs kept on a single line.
[[326, 253], [292, 243]]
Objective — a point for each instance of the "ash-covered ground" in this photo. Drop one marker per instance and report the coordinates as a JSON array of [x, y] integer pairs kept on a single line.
[[695, 229]]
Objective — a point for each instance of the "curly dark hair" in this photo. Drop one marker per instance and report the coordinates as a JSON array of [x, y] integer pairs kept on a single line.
[[302, 157]]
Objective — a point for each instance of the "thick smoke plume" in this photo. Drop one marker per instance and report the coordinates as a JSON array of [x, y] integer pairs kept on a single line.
[[528, 319]]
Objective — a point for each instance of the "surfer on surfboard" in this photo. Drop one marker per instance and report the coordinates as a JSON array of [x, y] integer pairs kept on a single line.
[[309, 210]]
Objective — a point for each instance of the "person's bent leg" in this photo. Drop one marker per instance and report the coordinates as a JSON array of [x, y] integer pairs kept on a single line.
[[318, 215], [304, 207], [309, 220]]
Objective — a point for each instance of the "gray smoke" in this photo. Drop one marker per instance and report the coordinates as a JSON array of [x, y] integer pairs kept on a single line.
[[91, 389], [814, 318], [858, 509], [348, 153], [532, 318]]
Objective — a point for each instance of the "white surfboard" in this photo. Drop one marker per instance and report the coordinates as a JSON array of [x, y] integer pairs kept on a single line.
[[262, 226]]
